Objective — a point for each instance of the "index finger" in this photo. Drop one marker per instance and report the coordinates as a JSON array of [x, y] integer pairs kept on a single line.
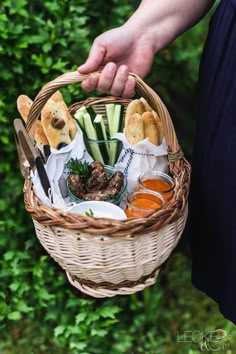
[[94, 60]]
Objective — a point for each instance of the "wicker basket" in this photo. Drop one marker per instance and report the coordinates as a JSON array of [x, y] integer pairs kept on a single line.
[[104, 257]]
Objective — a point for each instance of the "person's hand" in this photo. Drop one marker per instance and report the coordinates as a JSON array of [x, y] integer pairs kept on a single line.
[[118, 52], [131, 47]]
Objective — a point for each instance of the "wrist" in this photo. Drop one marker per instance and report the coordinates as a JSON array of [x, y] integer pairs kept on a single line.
[[155, 33], [160, 22]]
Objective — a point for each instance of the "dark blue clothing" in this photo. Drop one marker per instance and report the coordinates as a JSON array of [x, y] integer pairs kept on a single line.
[[213, 190]]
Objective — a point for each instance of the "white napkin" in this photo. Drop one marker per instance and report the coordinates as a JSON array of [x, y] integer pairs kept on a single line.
[[57, 172], [138, 158]]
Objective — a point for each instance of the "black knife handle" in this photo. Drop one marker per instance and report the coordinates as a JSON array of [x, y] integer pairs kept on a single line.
[[42, 175], [47, 151]]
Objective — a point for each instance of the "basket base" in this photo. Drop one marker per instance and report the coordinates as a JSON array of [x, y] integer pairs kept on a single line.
[[103, 290]]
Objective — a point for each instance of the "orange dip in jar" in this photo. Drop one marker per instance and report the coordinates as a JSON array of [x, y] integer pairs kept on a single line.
[[142, 203], [157, 181]]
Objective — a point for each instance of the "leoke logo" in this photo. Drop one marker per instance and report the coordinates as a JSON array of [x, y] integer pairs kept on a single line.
[[211, 341]]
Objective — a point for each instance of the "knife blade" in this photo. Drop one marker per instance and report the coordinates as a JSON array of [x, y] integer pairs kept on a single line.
[[22, 159], [31, 154]]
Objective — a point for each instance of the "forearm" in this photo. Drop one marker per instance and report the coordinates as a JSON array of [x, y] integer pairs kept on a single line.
[[161, 21]]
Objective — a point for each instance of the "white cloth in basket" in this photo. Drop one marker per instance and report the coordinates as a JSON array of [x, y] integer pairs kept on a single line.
[[136, 159], [56, 171]]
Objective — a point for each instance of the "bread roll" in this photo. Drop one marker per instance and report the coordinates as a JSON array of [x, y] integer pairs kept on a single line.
[[56, 126], [146, 104], [72, 128], [135, 106], [150, 128], [55, 121], [57, 97], [24, 104], [159, 126], [40, 137], [157, 118], [134, 131]]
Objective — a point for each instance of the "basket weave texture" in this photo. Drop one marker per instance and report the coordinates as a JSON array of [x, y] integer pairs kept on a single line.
[[105, 257]]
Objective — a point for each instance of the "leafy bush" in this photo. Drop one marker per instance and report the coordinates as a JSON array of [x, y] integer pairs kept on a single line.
[[39, 311]]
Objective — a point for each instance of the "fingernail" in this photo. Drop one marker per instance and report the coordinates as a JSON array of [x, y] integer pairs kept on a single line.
[[111, 67], [123, 69], [131, 81], [93, 80]]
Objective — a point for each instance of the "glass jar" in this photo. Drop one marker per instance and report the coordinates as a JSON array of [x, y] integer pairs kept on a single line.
[[104, 151], [157, 181], [142, 203]]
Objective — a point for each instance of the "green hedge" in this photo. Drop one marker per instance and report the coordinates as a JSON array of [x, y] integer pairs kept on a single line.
[[39, 311]]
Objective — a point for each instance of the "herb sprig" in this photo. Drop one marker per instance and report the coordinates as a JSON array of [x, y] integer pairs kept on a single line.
[[89, 213], [80, 168]]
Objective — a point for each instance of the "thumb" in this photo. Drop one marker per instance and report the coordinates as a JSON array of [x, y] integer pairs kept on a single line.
[[94, 60]]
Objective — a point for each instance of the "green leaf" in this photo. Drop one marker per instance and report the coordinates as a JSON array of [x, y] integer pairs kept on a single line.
[[59, 330], [9, 255], [98, 332], [45, 295], [2, 295], [80, 317], [14, 316], [78, 346], [109, 311], [23, 307], [4, 139], [47, 47], [14, 286]]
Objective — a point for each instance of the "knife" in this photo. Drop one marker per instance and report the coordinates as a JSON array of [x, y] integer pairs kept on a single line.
[[34, 159], [24, 165]]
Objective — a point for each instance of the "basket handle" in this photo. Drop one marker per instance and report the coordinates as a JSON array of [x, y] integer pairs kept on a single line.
[[142, 89]]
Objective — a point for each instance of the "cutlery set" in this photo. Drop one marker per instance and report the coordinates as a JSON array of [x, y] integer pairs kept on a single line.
[[30, 156]]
